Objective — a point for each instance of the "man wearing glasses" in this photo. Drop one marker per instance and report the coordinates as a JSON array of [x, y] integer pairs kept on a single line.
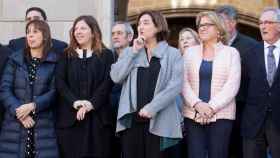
[[260, 120]]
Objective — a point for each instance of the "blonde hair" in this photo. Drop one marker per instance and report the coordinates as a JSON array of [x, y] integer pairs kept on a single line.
[[218, 22], [193, 33]]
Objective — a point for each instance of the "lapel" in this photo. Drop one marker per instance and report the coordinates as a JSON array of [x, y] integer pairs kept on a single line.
[[277, 75], [261, 60], [158, 51]]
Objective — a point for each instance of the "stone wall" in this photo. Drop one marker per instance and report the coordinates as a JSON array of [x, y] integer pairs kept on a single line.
[[61, 14]]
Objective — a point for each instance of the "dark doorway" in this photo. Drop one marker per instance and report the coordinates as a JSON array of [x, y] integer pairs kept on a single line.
[[176, 24]]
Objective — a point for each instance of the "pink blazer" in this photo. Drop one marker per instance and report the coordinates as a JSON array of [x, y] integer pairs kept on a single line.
[[225, 81]]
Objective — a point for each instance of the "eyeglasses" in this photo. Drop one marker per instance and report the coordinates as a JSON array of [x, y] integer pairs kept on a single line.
[[267, 22], [206, 25]]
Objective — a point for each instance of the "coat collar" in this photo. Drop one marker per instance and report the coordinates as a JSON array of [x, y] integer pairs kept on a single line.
[[18, 57], [158, 52]]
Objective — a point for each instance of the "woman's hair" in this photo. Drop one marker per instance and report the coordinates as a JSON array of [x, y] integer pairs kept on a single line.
[[97, 44], [44, 28], [159, 22], [192, 32], [217, 21]]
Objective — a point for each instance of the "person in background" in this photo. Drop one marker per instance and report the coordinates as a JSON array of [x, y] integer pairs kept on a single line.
[[27, 92], [211, 81], [187, 38], [244, 44], [122, 35], [35, 13], [260, 124], [151, 74], [84, 115]]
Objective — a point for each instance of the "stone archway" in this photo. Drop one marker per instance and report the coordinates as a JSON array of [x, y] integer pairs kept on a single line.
[[178, 11]]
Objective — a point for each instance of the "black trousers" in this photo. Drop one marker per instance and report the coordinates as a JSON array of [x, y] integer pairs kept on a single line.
[[235, 147], [209, 141], [268, 136], [138, 142]]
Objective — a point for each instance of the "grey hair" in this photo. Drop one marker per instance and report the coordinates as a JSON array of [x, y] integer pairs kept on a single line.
[[127, 26], [275, 10], [228, 10]]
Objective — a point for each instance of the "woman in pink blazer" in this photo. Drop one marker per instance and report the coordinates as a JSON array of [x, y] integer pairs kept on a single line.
[[211, 82]]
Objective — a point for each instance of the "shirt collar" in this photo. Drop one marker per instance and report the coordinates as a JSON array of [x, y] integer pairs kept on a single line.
[[232, 38], [276, 44], [80, 53]]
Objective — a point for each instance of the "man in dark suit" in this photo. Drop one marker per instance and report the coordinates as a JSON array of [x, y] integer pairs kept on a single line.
[[244, 45], [32, 14], [4, 54], [261, 121]]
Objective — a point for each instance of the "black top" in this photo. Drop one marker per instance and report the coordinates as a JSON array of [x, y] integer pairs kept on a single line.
[[30, 144], [146, 82], [205, 77], [86, 78]]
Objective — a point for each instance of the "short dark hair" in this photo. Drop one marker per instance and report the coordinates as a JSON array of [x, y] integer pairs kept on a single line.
[[160, 23], [40, 10]]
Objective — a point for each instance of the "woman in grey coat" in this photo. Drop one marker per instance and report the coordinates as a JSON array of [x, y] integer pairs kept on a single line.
[[151, 74]]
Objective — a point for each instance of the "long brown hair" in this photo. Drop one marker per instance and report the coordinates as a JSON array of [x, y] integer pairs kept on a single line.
[[97, 44], [43, 27]]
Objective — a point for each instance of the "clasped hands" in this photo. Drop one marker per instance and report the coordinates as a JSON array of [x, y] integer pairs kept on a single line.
[[83, 107], [204, 113], [22, 114]]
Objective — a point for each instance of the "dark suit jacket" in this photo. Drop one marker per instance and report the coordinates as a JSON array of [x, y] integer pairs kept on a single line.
[[259, 94], [19, 43], [244, 44], [4, 54]]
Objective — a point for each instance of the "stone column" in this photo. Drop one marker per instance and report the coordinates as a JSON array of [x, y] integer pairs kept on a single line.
[[104, 13]]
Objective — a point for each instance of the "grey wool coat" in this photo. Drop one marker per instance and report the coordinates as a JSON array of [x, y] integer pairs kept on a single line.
[[165, 121]]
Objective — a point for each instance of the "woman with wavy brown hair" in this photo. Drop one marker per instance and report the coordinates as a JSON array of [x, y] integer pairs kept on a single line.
[[84, 117]]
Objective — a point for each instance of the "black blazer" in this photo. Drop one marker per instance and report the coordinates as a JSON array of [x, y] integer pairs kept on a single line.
[[68, 87], [4, 54], [259, 95], [244, 44], [19, 43]]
